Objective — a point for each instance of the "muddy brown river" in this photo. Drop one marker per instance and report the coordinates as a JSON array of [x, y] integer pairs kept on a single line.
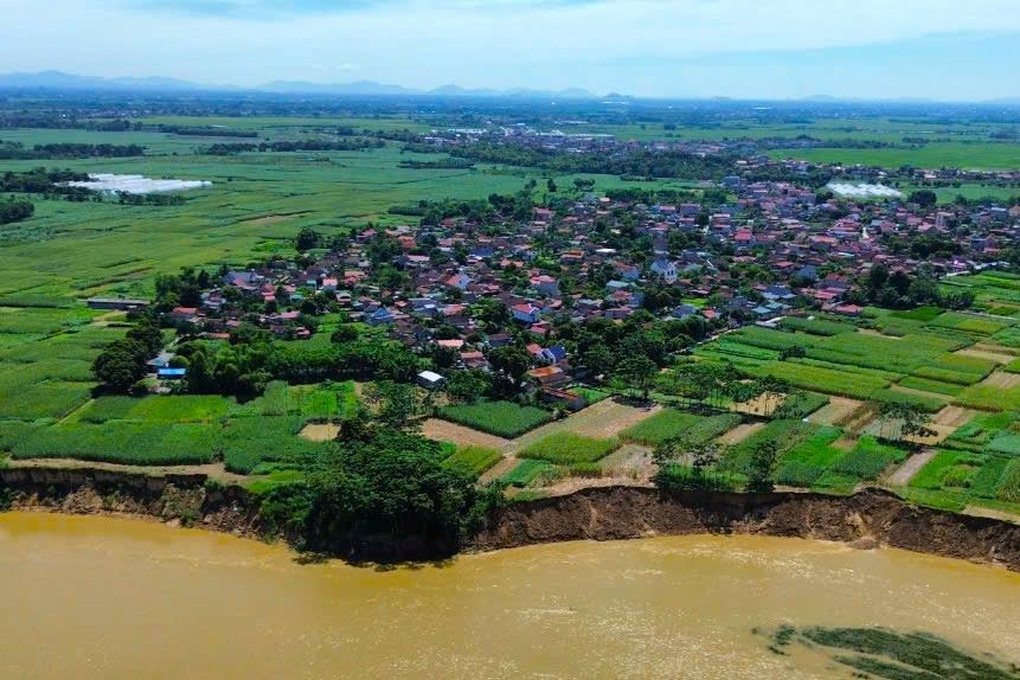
[[113, 599]]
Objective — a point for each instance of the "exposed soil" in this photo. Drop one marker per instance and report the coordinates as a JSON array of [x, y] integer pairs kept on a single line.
[[837, 409], [740, 433], [870, 518], [603, 420], [997, 349], [320, 432], [444, 431], [630, 461], [986, 354], [858, 419], [1003, 380], [762, 405]]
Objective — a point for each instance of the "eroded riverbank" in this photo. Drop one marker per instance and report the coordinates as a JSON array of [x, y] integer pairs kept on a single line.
[[871, 518]]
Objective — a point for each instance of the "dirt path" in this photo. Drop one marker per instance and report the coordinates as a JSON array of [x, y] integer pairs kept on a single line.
[[954, 416], [501, 468], [740, 433], [214, 470], [272, 219], [904, 473], [875, 334], [444, 431]]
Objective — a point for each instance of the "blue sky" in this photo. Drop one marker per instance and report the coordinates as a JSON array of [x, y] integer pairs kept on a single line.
[[940, 49]]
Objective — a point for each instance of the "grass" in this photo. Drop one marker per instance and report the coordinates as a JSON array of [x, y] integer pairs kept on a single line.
[[566, 448], [475, 460], [501, 418], [933, 386]]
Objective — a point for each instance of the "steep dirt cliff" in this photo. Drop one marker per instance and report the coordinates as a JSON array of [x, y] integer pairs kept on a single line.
[[185, 499], [870, 518]]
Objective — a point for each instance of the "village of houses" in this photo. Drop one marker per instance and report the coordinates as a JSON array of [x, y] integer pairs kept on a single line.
[[813, 251]]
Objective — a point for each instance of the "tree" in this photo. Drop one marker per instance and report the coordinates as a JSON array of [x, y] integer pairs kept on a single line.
[[307, 239], [550, 186], [760, 466], [902, 420], [468, 386], [511, 363], [396, 405], [121, 364], [638, 373], [926, 198], [388, 485]]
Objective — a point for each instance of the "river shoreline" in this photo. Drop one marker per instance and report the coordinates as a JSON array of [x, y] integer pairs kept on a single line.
[[868, 519]]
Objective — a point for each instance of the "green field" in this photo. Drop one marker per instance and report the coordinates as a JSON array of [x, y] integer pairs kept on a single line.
[[567, 448], [473, 459], [501, 418]]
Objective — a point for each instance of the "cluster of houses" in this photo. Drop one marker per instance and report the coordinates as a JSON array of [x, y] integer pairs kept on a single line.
[[810, 251]]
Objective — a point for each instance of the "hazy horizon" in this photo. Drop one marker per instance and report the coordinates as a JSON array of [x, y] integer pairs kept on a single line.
[[745, 49]]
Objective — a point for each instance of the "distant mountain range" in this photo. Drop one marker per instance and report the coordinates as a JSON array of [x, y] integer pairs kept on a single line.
[[58, 80]]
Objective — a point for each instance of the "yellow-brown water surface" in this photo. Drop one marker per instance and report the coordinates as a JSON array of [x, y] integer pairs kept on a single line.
[[96, 598]]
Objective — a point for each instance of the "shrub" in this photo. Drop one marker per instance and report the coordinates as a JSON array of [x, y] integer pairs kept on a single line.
[[566, 448]]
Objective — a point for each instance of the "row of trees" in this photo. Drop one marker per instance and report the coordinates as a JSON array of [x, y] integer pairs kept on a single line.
[[637, 162], [18, 151], [355, 144], [901, 290]]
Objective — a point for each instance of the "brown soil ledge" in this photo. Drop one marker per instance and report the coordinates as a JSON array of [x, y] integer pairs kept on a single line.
[[867, 519]]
